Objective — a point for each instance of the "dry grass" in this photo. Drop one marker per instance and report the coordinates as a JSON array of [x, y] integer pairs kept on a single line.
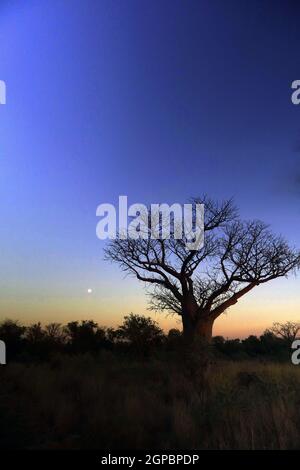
[[106, 402]]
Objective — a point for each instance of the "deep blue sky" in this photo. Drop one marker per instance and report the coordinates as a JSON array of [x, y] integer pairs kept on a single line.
[[159, 100]]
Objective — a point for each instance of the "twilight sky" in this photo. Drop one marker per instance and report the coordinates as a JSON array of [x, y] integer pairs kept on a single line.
[[157, 100]]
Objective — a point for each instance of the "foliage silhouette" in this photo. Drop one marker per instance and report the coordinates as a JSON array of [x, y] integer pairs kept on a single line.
[[138, 335]]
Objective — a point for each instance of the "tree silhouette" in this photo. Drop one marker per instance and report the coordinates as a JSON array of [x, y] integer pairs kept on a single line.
[[85, 336], [200, 285], [287, 331], [142, 333], [55, 333]]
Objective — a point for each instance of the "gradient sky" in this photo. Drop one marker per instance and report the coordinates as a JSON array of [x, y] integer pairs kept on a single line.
[[158, 100]]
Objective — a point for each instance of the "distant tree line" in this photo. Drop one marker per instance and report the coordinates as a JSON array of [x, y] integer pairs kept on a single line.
[[138, 336]]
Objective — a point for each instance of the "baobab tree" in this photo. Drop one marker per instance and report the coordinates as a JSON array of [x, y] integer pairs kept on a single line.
[[200, 285]]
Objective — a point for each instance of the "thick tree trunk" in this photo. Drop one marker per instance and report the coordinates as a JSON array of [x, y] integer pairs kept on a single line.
[[197, 332], [203, 329], [194, 326]]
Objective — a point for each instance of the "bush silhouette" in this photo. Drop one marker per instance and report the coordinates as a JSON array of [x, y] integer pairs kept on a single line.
[[138, 335], [142, 334], [85, 336]]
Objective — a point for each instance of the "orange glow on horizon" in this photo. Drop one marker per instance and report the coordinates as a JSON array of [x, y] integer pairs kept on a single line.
[[110, 301]]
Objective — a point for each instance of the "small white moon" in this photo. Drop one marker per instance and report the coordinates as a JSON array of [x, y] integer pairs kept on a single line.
[[89, 291]]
